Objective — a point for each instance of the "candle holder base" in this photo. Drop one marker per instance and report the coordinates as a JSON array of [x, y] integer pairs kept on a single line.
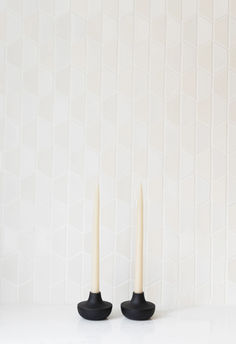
[[94, 308], [138, 308]]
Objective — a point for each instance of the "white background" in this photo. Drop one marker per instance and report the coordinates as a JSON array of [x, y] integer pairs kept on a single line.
[[122, 91]]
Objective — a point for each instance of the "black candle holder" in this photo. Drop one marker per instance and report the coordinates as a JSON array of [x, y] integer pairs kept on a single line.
[[94, 308], [138, 308]]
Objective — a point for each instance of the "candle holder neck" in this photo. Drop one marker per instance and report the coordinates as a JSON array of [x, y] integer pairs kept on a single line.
[[138, 298], [95, 298]]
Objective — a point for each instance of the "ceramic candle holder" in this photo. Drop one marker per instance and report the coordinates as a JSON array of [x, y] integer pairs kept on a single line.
[[138, 308], [94, 308]]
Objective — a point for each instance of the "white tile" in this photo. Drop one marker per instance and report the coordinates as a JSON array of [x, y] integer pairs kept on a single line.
[[117, 92]]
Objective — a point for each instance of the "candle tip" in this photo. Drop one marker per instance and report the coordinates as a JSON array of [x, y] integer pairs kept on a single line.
[[141, 188]]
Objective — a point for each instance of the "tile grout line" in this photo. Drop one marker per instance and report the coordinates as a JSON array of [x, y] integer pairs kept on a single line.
[[133, 200], [116, 160], [195, 160], [20, 143], [53, 176], [180, 151], [69, 156], [211, 159], [163, 161], [100, 149], [146, 209], [227, 164], [85, 124], [35, 204]]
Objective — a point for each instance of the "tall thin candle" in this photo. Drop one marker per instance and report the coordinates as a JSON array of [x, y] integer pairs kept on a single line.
[[138, 308], [95, 308], [95, 244], [138, 284]]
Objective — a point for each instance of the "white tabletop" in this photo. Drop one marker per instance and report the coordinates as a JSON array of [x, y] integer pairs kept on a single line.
[[62, 324]]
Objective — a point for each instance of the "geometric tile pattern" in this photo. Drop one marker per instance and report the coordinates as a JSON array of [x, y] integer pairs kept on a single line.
[[119, 91]]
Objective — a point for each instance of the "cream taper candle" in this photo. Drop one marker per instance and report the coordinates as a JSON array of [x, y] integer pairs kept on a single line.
[[138, 283], [95, 244]]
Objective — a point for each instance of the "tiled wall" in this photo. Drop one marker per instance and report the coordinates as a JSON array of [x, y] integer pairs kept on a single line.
[[122, 91]]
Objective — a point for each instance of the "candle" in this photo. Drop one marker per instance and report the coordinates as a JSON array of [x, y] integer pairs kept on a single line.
[[95, 244], [138, 283], [95, 308], [138, 308]]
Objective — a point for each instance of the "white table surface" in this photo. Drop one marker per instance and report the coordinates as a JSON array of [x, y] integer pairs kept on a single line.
[[62, 324]]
